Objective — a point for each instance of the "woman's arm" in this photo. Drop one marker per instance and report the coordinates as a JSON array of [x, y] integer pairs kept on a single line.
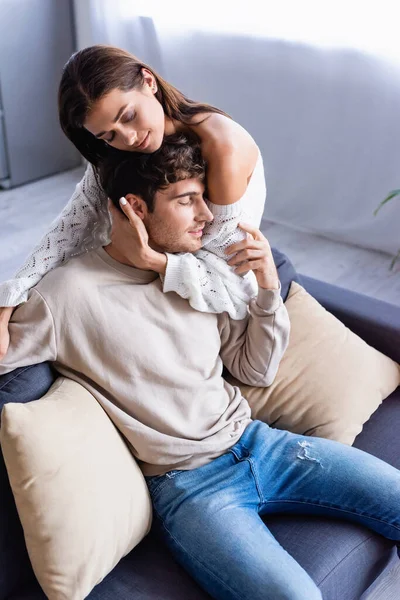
[[231, 155], [84, 224]]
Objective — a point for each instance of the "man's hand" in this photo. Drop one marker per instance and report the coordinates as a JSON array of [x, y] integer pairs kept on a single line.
[[130, 238], [254, 254]]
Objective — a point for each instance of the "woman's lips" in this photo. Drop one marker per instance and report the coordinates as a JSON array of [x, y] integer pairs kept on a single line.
[[144, 143]]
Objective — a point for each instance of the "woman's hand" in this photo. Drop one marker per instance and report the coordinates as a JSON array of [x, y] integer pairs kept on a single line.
[[254, 254], [130, 239], [5, 316]]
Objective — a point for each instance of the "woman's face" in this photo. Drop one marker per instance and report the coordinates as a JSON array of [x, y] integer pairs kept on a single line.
[[133, 120]]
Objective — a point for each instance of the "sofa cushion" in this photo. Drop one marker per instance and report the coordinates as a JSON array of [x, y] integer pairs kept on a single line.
[[376, 321], [81, 497], [329, 381], [22, 385]]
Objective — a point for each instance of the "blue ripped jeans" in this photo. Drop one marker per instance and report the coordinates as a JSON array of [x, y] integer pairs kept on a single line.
[[210, 516]]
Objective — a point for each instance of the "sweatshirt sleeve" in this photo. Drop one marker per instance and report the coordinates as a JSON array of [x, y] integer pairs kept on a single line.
[[252, 349], [32, 335], [205, 278], [83, 225]]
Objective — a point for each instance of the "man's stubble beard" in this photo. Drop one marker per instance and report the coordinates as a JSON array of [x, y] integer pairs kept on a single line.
[[164, 238]]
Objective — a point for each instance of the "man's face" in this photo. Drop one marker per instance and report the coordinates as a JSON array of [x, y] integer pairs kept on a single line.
[[179, 216]]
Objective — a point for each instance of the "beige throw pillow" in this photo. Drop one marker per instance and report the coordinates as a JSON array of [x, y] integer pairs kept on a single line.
[[81, 497], [329, 381]]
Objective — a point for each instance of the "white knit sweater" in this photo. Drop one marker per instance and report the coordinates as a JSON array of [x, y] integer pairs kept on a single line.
[[204, 278]]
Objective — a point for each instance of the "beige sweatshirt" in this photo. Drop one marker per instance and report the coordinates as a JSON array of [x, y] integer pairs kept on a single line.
[[152, 361]]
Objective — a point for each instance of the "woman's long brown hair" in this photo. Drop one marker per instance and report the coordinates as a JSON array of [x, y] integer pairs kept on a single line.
[[95, 71]]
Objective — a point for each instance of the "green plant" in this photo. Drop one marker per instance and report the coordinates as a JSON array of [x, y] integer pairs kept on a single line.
[[392, 194]]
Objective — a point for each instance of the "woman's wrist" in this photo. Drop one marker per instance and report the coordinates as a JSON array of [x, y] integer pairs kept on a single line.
[[158, 262]]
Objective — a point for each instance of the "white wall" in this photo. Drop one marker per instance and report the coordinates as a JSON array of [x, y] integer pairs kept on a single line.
[[84, 25]]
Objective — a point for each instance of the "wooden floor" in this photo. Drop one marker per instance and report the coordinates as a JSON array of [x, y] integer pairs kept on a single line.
[[27, 211]]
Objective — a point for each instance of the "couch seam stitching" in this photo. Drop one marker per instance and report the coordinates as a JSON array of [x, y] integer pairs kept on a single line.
[[343, 559]]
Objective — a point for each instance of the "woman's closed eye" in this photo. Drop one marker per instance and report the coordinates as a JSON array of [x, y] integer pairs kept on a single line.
[[127, 117], [110, 139]]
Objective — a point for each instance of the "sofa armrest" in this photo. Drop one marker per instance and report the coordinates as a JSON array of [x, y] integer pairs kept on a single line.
[[377, 322]]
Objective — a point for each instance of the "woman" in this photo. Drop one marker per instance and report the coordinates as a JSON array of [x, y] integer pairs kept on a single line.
[[110, 103]]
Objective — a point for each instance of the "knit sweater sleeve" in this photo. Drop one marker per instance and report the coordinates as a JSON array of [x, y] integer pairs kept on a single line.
[[205, 278], [83, 225]]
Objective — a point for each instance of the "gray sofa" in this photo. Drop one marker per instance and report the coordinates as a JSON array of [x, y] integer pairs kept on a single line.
[[347, 561]]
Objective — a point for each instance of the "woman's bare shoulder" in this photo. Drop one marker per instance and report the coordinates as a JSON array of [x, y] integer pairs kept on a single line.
[[220, 135]]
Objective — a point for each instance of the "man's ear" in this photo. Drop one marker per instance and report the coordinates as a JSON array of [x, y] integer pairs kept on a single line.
[[138, 205]]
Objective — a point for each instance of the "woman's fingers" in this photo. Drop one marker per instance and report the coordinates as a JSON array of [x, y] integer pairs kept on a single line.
[[134, 220], [244, 244], [246, 255], [256, 233], [250, 265], [129, 236], [128, 210], [127, 219]]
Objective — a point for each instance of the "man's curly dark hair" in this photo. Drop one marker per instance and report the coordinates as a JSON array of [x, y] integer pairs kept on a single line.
[[178, 158]]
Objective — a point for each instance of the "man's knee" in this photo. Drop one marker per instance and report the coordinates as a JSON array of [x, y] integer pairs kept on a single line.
[[298, 592], [301, 587]]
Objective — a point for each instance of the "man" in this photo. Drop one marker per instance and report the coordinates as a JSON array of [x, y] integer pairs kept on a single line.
[[155, 365]]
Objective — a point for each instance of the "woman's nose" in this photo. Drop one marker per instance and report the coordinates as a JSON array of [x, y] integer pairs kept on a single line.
[[129, 138]]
